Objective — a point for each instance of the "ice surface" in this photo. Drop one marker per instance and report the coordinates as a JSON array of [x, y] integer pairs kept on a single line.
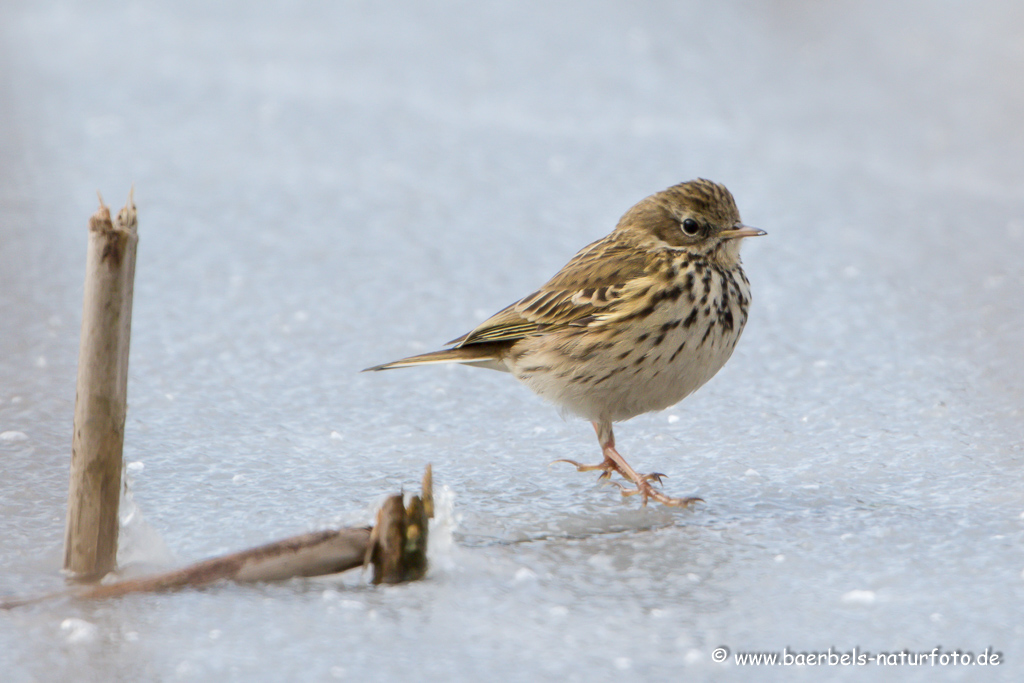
[[326, 186]]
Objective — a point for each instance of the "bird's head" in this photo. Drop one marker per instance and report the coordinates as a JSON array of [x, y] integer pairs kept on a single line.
[[698, 216]]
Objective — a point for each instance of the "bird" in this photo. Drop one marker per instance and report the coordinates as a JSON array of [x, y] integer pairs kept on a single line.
[[633, 323]]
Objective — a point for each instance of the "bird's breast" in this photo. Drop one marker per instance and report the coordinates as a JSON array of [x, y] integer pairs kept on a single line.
[[649, 353]]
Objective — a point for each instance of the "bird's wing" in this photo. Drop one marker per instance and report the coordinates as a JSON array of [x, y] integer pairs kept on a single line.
[[592, 283]]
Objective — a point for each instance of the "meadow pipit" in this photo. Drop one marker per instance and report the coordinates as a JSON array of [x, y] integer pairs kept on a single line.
[[635, 322]]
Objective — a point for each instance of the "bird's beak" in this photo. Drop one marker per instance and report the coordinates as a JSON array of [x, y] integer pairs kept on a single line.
[[741, 231]]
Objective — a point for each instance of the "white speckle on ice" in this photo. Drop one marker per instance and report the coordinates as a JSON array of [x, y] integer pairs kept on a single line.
[[559, 611], [13, 436], [131, 636], [301, 316], [672, 419], [693, 578], [935, 617], [623, 663], [41, 361], [525, 574], [693, 656], [336, 436], [859, 597], [851, 271], [16, 399], [135, 466], [78, 630], [215, 633], [751, 473], [780, 558], [238, 478], [659, 613]]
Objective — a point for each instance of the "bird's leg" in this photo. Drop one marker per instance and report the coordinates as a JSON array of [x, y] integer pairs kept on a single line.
[[642, 482], [608, 465]]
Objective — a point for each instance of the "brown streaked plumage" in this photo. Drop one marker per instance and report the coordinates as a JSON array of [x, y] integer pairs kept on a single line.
[[634, 322]]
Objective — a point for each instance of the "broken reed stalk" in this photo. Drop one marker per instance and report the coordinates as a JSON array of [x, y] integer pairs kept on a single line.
[[397, 547], [90, 540], [312, 554]]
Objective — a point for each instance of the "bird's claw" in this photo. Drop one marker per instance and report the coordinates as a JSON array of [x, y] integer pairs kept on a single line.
[[641, 487], [645, 491], [606, 467]]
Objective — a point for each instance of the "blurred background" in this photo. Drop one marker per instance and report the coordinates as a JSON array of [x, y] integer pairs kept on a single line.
[[327, 186]]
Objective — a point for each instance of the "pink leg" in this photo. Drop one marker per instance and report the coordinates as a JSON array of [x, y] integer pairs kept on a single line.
[[614, 462]]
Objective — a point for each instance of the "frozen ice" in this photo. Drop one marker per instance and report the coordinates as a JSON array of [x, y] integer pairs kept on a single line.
[[78, 630], [525, 574], [859, 597], [326, 186]]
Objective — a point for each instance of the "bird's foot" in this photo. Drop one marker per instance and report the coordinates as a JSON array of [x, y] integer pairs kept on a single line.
[[645, 491], [607, 466], [642, 483]]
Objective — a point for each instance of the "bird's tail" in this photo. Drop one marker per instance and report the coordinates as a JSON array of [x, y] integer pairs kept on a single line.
[[486, 355]]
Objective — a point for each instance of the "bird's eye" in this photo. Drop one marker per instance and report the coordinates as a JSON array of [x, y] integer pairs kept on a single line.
[[691, 227]]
